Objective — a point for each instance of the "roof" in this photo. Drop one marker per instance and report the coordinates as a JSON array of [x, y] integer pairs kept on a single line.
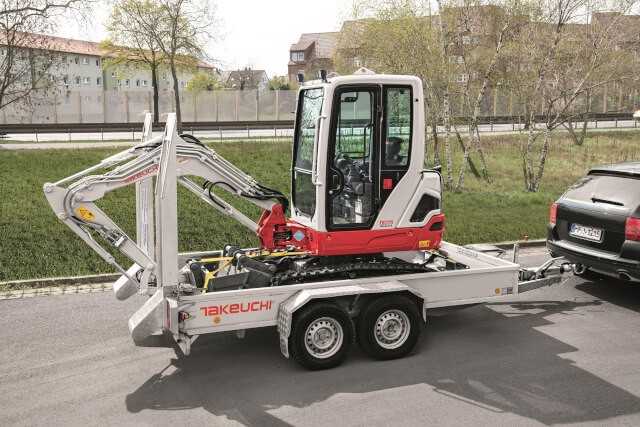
[[65, 45], [626, 168], [325, 43], [250, 78], [58, 44]]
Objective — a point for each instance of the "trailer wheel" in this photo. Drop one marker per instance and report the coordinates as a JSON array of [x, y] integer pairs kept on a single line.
[[389, 327], [320, 337]]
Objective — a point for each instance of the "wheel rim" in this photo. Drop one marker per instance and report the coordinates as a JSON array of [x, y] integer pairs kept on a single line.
[[323, 337], [392, 329]]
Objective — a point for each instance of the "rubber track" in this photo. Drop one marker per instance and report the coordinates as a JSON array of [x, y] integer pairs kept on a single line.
[[347, 271]]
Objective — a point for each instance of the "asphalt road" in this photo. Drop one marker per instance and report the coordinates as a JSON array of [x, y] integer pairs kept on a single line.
[[561, 355]]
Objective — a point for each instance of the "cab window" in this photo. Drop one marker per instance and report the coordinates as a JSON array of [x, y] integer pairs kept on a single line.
[[397, 119]]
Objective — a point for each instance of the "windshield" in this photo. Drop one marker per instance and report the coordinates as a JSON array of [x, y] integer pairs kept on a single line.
[[309, 108], [309, 111]]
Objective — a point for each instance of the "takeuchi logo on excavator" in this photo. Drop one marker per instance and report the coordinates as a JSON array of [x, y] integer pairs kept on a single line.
[[236, 308], [147, 171]]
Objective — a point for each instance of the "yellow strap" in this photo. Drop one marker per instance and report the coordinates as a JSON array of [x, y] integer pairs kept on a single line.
[[225, 261], [210, 275]]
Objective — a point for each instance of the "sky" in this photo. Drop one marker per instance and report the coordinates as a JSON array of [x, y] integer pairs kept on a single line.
[[253, 33]]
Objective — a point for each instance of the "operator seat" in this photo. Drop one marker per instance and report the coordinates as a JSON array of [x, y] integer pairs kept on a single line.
[[392, 152]]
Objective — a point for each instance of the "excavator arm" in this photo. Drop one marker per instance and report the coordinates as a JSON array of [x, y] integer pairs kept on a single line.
[[73, 199]]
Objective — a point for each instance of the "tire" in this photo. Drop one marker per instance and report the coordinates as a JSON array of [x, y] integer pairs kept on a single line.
[[321, 336], [392, 311]]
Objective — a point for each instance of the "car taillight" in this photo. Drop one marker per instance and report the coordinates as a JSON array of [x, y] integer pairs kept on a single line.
[[632, 229], [553, 213]]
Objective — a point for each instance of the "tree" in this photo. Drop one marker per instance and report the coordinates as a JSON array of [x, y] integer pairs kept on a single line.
[[403, 37], [181, 35], [478, 33], [279, 83], [203, 81], [178, 29], [130, 41], [28, 58], [559, 63]]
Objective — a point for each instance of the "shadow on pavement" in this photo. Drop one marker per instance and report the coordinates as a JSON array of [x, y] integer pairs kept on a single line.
[[616, 292], [502, 364]]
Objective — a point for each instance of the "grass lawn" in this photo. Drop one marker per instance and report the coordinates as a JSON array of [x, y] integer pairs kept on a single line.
[[34, 244]]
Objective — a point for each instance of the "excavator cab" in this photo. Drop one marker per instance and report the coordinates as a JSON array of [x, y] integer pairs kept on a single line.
[[358, 178]]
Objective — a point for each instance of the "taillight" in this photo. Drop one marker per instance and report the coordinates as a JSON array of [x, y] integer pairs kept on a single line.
[[553, 213], [632, 229]]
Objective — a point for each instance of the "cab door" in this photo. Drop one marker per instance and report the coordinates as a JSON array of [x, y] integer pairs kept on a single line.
[[352, 191], [397, 125]]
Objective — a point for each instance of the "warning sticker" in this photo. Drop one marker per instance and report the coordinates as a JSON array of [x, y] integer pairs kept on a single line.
[[85, 214]]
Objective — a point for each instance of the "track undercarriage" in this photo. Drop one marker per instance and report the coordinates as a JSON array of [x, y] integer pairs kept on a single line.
[[241, 269]]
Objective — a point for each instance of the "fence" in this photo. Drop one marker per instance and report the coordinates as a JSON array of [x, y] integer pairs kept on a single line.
[[109, 107], [98, 106]]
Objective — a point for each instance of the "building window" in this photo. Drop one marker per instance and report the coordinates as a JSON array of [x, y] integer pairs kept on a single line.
[[99, 81], [144, 83], [113, 75], [119, 82], [138, 82], [126, 83], [76, 60], [77, 80], [87, 80], [297, 56], [65, 80], [462, 78], [85, 61], [97, 62]]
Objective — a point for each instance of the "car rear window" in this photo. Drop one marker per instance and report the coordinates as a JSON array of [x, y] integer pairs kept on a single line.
[[610, 189]]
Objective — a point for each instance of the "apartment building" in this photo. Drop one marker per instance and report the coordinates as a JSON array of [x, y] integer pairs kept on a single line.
[[82, 66], [312, 52]]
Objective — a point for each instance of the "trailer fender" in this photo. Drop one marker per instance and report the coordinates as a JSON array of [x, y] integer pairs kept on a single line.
[[298, 300]]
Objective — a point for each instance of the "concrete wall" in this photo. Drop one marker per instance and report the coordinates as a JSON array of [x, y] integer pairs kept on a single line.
[[127, 106]]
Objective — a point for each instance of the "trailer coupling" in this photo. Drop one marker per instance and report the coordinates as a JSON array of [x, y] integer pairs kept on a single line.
[[547, 274]]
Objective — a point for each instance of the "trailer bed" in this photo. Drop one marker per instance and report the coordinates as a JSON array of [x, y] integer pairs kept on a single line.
[[487, 278]]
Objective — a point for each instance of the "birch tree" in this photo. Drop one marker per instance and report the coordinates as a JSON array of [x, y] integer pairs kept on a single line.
[[183, 32], [132, 40], [562, 62]]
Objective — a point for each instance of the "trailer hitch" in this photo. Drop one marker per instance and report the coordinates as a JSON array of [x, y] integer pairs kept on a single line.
[[547, 274]]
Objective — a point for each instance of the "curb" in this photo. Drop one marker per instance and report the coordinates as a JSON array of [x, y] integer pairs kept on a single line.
[[58, 281], [54, 290], [110, 277]]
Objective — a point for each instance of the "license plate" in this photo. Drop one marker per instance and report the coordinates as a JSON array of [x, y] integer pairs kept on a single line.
[[586, 233]]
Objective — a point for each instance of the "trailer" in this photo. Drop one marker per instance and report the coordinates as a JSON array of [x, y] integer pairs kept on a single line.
[[361, 259]]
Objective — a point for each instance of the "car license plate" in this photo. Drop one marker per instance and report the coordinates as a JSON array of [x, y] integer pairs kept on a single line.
[[586, 233]]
